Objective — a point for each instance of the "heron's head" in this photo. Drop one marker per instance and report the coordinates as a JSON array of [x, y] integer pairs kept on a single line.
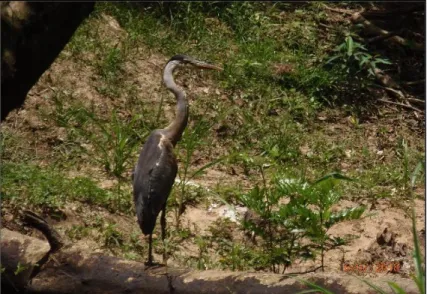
[[185, 59]]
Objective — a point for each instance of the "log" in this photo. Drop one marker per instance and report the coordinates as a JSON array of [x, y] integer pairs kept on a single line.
[[33, 34], [75, 270]]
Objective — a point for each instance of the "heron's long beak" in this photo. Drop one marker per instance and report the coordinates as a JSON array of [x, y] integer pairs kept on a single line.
[[205, 65]]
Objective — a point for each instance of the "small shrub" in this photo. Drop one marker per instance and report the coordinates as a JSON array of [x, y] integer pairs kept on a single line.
[[294, 220]]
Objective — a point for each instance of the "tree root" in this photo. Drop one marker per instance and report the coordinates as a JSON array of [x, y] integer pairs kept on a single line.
[[393, 13], [37, 222], [370, 28], [55, 243], [383, 37]]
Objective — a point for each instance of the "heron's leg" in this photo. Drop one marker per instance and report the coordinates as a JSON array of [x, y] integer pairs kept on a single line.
[[150, 255], [163, 225]]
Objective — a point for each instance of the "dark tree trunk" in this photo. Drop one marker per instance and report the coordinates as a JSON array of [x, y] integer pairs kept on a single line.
[[32, 36]]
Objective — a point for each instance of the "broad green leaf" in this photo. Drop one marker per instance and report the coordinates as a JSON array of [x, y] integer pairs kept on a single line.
[[346, 214]]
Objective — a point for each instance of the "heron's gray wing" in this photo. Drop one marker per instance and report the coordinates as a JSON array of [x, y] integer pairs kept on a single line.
[[153, 180], [160, 180]]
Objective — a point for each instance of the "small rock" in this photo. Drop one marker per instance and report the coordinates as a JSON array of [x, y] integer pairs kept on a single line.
[[386, 237], [8, 217], [400, 249], [304, 149]]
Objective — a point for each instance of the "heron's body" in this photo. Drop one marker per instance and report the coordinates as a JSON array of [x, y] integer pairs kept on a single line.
[[154, 180], [156, 168]]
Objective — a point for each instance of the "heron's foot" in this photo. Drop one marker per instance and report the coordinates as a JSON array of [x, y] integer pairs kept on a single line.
[[151, 264]]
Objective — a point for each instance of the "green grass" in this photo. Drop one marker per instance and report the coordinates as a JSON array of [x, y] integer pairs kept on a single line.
[[47, 187]]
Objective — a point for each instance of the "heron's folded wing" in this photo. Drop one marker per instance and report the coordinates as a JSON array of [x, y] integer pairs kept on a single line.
[[160, 181]]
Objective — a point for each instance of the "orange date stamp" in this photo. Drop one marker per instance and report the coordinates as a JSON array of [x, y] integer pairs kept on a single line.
[[378, 267]]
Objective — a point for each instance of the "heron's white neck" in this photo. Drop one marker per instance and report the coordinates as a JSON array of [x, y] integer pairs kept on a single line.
[[175, 129]]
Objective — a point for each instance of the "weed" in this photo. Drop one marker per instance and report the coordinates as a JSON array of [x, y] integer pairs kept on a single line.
[[110, 70], [20, 268], [203, 256], [78, 232], [354, 57], [111, 237], [291, 213], [113, 140]]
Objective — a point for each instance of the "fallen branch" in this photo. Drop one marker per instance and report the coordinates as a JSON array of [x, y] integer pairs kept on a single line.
[[73, 269]]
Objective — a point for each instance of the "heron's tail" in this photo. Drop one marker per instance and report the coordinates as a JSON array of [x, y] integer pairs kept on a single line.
[[146, 219]]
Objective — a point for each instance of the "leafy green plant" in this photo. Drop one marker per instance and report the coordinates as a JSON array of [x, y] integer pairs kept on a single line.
[[353, 57], [203, 256], [292, 211], [111, 237], [114, 140], [233, 254], [322, 195]]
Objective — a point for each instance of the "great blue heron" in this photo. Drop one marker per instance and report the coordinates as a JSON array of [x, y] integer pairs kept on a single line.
[[156, 169]]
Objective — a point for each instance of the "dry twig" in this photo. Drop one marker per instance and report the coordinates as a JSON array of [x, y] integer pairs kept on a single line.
[[401, 104]]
